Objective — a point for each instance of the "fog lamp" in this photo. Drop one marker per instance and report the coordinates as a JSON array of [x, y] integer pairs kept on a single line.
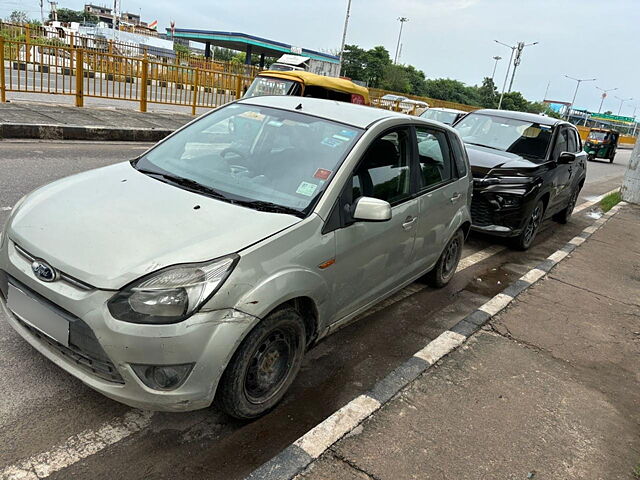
[[163, 377]]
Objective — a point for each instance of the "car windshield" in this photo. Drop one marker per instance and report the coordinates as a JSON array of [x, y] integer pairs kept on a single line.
[[269, 86], [599, 136], [264, 158], [440, 116], [528, 139]]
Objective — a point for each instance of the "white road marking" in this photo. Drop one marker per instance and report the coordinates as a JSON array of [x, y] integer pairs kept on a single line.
[[77, 447], [477, 257], [592, 201], [5, 209], [325, 434], [496, 304], [440, 346], [532, 276]]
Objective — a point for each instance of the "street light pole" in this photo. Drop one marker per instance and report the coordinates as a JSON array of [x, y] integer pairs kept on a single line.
[[401, 20], [575, 94], [516, 61], [604, 95], [344, 35], [504, 85], [622, 100], [496, 58]]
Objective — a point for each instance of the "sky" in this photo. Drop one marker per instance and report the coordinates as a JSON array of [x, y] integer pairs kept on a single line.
[[444, 38]]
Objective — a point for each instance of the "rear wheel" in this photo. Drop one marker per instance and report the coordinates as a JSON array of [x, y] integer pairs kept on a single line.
[[447, 264], [564, 215], [264, 366], [528, 234]]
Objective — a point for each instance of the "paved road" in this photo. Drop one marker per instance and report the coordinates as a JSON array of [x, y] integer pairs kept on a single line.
[[84, 435]]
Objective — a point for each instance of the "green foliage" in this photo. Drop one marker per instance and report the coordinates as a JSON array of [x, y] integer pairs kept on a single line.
[[452, 91], [180, 49], [608, 202], [368, 66], [69, 15], [488, 93], [18, 16]]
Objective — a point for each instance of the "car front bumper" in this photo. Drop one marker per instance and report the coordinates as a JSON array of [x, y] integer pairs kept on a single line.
[[100, 350]]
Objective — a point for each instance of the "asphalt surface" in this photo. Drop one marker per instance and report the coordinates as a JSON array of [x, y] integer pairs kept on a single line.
[[42, 407]]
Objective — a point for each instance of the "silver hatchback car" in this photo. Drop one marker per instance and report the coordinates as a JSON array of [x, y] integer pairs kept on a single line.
[[206, 267]]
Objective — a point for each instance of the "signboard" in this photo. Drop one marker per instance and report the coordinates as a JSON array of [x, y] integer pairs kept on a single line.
[[296, 50], [611, 118]]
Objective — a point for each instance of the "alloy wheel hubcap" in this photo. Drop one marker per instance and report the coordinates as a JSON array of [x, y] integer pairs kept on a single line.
[[534, 223]]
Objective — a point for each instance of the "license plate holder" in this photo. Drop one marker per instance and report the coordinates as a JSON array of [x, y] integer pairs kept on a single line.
[[38, 315]]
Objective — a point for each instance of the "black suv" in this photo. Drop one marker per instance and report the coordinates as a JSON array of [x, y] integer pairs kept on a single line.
[[525, 167]]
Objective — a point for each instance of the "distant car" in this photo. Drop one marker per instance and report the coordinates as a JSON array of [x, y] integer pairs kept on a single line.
[[525, 167], [402, 104], [448, 116], [206, 267]]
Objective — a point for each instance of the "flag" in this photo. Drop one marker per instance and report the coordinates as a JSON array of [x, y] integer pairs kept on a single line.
[[154, 25]]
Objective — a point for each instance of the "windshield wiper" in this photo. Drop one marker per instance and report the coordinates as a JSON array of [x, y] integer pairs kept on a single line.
[[187, 183], [269, 207], [485, 146]]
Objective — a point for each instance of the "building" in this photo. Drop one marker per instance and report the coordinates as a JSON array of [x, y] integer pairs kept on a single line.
[[105, 15]]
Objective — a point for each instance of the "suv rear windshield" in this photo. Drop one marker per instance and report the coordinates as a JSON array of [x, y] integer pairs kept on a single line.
[[260, 157], [440, 116], [528, 139]]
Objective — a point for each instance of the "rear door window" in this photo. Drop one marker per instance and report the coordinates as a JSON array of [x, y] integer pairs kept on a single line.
[[434, 157]]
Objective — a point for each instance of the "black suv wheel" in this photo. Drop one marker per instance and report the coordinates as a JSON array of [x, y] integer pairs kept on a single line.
[[528, 234]]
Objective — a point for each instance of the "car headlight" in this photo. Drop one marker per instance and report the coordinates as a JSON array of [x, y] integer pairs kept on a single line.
[[172, 294]]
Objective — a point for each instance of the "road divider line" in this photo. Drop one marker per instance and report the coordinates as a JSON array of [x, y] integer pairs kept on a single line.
[[77, 447], [5, 209], [301, 454]]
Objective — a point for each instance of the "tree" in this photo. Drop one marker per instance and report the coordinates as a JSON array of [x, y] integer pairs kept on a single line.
[[18, 16], [488, 93], [394, 77], [452, 91], [68, 15]]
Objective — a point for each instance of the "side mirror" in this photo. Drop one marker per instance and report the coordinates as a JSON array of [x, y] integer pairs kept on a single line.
[[370, 209], [567, 157]]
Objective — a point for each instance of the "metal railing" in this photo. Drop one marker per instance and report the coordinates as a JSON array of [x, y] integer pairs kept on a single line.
[[414, 105], [64, 70]]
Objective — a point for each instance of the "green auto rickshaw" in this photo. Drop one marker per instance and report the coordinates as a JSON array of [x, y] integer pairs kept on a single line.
[[601, 143]]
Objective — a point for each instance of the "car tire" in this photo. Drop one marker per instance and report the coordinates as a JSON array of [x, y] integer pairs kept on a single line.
[[447, 264], [531, 227], [564, 215], [264, 366]]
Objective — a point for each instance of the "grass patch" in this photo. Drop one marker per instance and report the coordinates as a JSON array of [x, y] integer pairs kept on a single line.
[[636, 472], [608, 202]]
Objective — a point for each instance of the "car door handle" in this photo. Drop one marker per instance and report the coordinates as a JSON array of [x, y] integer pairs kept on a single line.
[[408, 222], [456, 196]]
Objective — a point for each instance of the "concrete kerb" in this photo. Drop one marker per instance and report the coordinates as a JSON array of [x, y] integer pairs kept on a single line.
[[79, 132], [304, 451]]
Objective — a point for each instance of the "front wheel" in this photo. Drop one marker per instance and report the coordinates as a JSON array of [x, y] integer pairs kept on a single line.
[[447, 264], [264, 366], [526, 237]]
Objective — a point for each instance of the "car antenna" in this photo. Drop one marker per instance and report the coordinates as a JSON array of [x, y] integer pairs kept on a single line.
[[299, 107]]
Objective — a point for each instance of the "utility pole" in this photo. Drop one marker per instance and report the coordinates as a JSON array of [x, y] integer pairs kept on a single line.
[[575, 94], [631, 183], [344, 35], [546, 92], [116, 14], [42, 11], [622, 100], [54, 10], [401, 20], [604, 95], [495, 65], [518, 58], [504, 85]]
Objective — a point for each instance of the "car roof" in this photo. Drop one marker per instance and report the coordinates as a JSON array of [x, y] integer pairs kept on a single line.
[[360, 116], [525, 117]]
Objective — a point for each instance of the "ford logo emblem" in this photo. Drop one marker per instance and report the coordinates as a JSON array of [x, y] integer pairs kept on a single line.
[[44, 271]]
